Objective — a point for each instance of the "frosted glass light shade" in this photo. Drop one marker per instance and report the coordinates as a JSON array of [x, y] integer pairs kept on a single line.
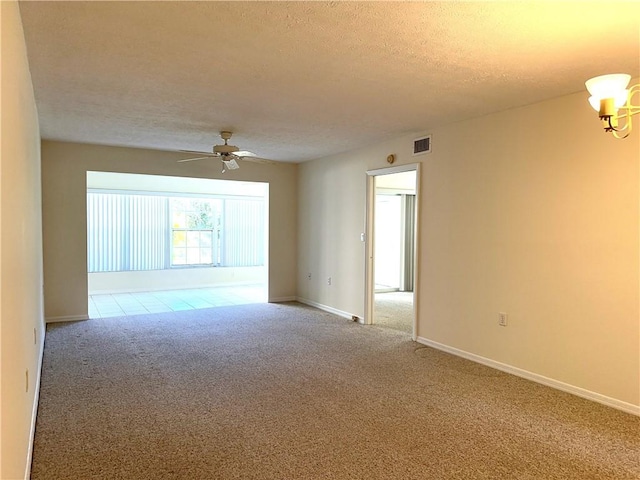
[[608, 86]]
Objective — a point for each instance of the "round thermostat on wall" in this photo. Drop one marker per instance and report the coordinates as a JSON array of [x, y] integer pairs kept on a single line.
[[391, 158]]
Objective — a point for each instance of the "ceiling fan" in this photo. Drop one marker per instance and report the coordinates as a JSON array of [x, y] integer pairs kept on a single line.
[[229, 154]]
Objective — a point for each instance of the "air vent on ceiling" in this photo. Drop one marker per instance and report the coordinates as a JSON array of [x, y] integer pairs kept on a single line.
[[422, 145]]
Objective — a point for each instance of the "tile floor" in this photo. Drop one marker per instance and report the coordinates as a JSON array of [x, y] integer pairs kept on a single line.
[[122, 304]]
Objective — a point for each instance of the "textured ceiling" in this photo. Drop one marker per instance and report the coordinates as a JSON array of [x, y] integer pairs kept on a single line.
[[301, 80]]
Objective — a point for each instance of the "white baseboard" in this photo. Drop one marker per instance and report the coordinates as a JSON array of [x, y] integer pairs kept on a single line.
[[326, 308], [549, 382], [34, 411], [67, 318], [282, 299]]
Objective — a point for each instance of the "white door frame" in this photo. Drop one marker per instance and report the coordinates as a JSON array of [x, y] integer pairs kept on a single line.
[[370, 247]]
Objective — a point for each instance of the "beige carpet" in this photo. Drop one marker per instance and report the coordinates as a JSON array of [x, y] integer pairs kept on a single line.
[[394, 310], [289, 392]]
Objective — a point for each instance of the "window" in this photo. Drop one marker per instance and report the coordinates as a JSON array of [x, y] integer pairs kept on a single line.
[[154, 231], [195, 231]]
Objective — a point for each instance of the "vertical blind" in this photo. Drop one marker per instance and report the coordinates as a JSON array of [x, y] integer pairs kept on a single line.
[[242, 233], [133, 232], [126, 232], [408, 241]]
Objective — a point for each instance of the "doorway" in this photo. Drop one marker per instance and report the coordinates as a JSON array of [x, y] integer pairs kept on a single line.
[[392, 200]]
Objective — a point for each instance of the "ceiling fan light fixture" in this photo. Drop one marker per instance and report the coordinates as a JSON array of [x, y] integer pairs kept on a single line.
[[230, 164]]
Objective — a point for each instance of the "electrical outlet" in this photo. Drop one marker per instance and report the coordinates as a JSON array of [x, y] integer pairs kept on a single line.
[[328, 280], [502, 319]]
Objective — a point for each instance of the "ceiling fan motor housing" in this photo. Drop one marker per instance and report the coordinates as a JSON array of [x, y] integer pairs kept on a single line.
[[225, 149]]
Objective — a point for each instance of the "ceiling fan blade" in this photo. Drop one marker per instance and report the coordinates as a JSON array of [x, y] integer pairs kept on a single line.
[[244, 153], [192, 159], [207, 154], [201, 155]]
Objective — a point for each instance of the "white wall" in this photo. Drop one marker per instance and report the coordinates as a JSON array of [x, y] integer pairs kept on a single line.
[[156, 183], [174, 279], [331, 215], [21, 317], [64, 168], [532, 211]]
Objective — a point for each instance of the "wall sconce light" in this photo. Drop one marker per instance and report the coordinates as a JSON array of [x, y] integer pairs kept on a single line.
[[611, 98]]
